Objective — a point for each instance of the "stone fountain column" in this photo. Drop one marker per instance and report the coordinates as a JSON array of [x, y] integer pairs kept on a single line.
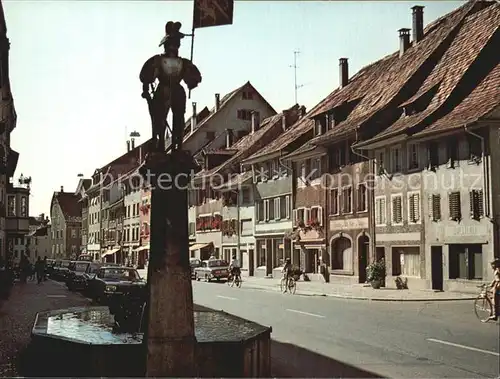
[[170, 336]]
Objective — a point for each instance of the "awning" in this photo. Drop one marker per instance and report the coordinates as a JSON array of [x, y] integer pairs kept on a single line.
[[198, 246], [110, 252], [141, 248]]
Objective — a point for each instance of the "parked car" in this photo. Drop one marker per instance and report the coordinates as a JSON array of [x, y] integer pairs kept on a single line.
[[194, 262], [111, 282], [212, 269], [50, 267], [61, 270], [92, 270], [75, 280]]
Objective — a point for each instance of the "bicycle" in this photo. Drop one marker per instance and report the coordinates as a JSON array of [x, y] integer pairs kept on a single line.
[[482, 304], [291, 286], [234, 280]]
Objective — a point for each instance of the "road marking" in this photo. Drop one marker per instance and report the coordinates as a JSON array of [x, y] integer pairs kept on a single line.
[[305, 313], [227, 297], [464, 347], [56, 296]]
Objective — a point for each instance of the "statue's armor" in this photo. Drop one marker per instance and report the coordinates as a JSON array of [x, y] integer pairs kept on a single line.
[[171, 68]]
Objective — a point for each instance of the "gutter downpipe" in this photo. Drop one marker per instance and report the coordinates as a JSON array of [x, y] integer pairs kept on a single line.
[[238, 232], [486, 181], [372, 162], [292, 203]]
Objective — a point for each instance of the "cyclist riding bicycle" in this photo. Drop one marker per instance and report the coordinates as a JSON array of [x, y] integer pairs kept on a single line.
[[287, 271], [234, 267], [495, 288]]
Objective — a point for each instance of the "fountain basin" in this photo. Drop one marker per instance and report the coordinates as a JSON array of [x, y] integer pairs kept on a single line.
[[81, 342]]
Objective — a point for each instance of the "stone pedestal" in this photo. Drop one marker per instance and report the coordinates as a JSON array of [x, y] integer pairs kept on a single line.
[[170, 336]]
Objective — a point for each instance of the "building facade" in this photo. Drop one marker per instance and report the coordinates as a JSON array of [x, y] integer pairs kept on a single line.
[[65, 215]]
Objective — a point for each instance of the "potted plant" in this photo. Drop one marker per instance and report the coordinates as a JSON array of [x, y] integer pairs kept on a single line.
[[375, 273]]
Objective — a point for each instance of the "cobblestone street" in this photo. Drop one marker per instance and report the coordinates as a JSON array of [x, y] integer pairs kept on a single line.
[[17, 315]]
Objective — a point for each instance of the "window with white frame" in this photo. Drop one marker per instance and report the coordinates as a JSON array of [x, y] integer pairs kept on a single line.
[[287, 206], [413, 156], [396, 161], [334, 201], [414, 207], [347, 200], [277, 208], [362, 199], [317, 215], [282, 208], [397, 209], [380, 211], [301, 214], [11, 205], [435, 207], [380, 161], [315, 168]]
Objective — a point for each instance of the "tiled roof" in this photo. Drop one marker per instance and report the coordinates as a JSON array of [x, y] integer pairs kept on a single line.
[[269, 129], [454, 65], [223, 102], [393, 80], [69, 204]]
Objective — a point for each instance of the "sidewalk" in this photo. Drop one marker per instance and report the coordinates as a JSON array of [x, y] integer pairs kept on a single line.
[[17, 315], [356, 291]]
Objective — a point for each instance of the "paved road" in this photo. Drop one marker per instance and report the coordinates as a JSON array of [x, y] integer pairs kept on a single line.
[[355, 338]]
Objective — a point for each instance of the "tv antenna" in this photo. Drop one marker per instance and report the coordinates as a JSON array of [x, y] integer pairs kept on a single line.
[[295, 67]]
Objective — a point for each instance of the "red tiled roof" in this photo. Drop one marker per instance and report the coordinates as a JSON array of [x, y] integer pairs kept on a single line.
[[454, 65], [394, 80], [223, 102], [269, 129], [69, 204]]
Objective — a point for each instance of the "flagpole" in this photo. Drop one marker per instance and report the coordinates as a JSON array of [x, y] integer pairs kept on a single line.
[[192, 51]]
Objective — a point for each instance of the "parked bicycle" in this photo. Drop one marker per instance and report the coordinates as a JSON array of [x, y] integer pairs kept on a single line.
[[483, 306], [233, 280], [289, 285]]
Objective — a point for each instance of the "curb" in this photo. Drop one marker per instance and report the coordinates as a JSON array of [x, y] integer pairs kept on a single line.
[[363, 298]]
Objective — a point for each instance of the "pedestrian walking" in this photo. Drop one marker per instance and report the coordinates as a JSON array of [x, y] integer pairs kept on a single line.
[[24, 268], [39, 269]]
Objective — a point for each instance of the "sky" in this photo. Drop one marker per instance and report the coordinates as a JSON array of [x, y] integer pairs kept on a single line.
[[74, 68]]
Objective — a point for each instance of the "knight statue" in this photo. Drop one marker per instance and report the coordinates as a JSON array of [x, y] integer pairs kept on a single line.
[[169, 69]]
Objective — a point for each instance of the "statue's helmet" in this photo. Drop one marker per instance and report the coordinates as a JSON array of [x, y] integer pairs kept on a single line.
[[173, 35]]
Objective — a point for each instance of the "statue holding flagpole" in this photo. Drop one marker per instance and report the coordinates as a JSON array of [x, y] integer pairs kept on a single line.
[[169, 69]]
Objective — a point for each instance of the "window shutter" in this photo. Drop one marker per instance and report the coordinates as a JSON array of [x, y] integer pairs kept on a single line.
[[396, 210], [414, 208], [266, 210], [294, 217], [378, 212], [307, 215], [277, 208], [476, 204], [257, 214], [436, 207], [454, 205], [320, 216], [430, 207], [287, 205]]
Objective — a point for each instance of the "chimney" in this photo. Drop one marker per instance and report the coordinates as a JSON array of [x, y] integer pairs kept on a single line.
[[229, 138], [284, 119], [302, 111], [418, 23], [132, 143], [62, 189], [344, 72], [193, 119], [128, 146], [217, 101], [255, 121], [404, 40]]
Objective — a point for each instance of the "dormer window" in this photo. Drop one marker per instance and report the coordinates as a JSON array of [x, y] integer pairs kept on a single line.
[[320, 125], [244, 114]]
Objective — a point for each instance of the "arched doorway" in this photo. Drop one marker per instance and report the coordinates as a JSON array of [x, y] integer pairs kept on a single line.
[[363, 249], [341, 254]]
